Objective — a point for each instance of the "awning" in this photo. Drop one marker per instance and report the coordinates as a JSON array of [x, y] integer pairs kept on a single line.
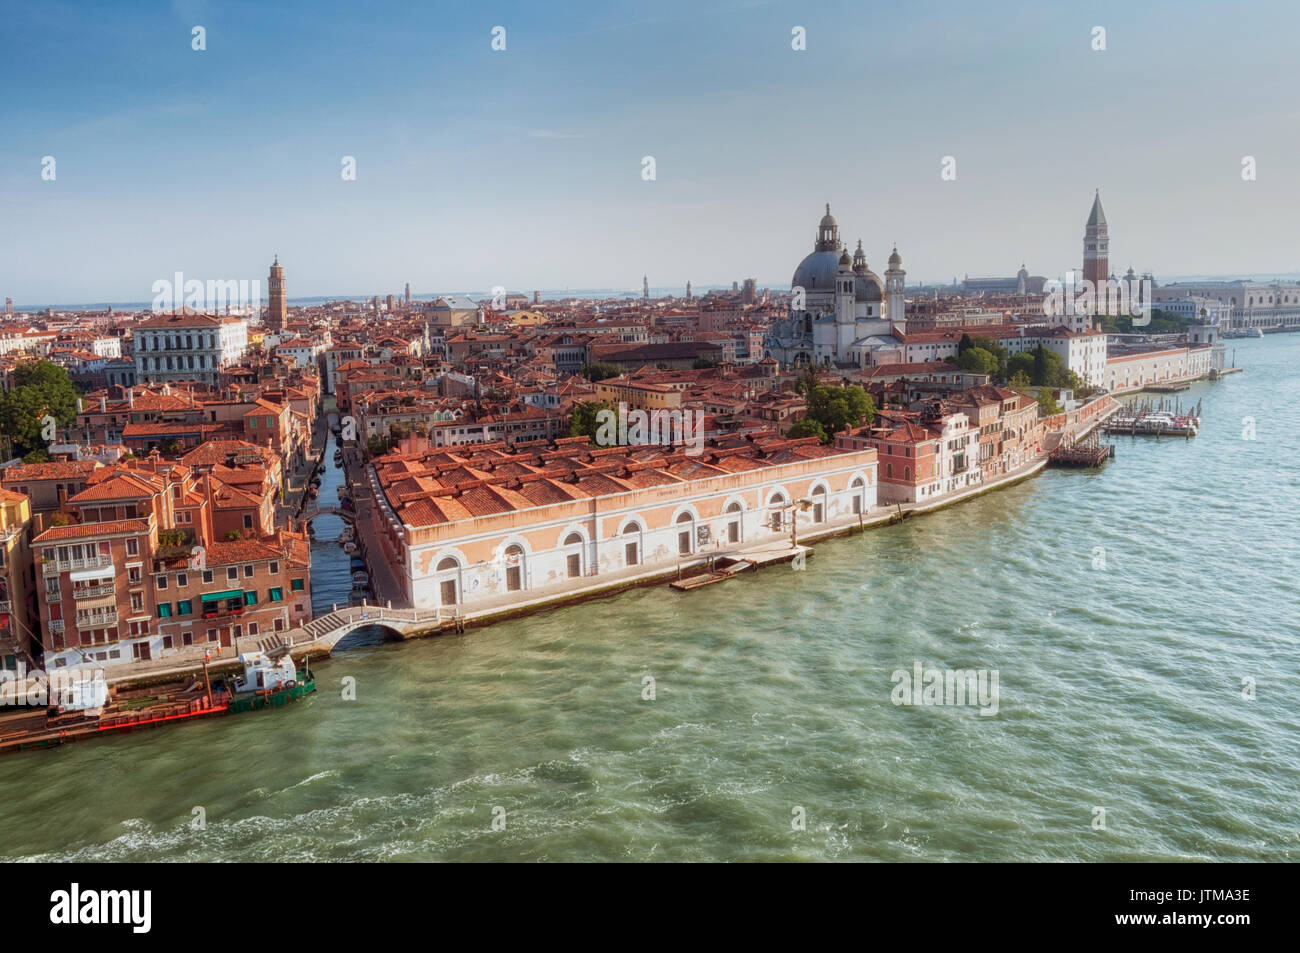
[[81, 575], [218, 596]]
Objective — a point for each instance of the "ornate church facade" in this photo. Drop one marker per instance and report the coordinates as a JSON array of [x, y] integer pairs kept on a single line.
[[837, 302]]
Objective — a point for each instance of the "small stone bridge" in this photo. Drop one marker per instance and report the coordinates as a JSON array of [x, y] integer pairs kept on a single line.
[[313, 510], [328, 630]]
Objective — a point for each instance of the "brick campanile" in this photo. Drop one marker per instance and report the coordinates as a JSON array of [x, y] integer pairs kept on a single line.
[[275, 312], [1096, 244]]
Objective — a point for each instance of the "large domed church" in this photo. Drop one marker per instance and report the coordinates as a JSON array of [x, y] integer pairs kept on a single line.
[[837, 302]]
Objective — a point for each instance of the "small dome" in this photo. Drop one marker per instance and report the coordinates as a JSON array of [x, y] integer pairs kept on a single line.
[[845, 260], [895, 259], [868, 287], [828, 220]]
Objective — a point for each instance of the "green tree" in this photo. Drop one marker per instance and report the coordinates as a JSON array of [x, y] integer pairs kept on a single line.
[[978, 361], [599, 371], [40, 390], [583, 423], [994, 347], [965, 344], [807, 427], [838, 408], [1047, 404], [1020, 382]]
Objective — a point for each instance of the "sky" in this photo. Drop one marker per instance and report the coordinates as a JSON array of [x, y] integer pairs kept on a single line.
[[523, 167]]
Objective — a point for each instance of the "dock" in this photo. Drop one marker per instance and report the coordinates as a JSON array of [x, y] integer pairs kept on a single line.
[[1086, 456], [722, 567]]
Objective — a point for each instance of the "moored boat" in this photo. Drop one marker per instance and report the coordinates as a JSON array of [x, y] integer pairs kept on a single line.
[[270, 680]]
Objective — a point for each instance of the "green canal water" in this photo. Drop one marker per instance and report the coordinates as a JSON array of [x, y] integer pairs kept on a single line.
[[1120, 687]]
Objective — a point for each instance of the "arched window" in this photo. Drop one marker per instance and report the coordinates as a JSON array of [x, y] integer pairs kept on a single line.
[[573, 559], [733, 522], [514, 557], [889, 471], [685, 536], [819, 505], [907, 473], [857, 487], [777, 518], [448, 570], [632, 544]]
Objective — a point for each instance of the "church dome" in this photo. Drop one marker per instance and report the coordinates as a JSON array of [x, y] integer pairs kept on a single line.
[[816, 272], [895, 259], [868, 287], [828, 220]]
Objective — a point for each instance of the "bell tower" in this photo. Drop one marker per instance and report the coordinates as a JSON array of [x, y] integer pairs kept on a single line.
[[275, 312], [1096, 245]]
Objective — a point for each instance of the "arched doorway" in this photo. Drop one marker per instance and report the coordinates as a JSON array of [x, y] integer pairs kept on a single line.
[[514, 558], [573, 555], [685, 523], [632, 544], [733, 512], [448, 575]]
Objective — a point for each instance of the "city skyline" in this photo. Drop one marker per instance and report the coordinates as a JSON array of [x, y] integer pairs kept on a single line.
[[523, 167]]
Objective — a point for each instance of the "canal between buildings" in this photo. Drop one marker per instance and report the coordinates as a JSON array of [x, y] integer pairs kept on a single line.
[[1140, 619]]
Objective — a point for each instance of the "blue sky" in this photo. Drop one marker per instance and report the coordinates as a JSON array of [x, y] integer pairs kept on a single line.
[[523, 168]]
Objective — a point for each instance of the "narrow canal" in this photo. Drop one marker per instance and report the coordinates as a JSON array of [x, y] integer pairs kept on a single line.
[[331, 574]]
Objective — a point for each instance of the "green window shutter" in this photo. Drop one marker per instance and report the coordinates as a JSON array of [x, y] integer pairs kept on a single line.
[[277, 594], [184, 607], [296, 585], [164, 610], [250, 598]]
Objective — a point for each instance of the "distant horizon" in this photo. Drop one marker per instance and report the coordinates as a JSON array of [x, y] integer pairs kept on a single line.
[[597, 293]]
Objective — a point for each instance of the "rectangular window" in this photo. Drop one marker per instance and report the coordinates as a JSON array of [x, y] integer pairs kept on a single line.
[[162, 582], [207, 575], [185, 607], [250, 598], [275, 569], [252, 628], [182, 579], [248, 571], [232, 573], [132, 547], [164, 610], [630, 554], [167, 641], [248, 521], [296, 585], [276, 594]]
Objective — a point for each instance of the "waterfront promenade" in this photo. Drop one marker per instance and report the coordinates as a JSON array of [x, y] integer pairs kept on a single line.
[[384, 565]]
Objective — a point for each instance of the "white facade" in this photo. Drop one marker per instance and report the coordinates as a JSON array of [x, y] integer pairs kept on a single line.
[[188, 348]]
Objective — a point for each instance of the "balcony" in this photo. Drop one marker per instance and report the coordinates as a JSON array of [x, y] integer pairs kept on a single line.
[[6, 606], [53, 597], [93, 592], [95, 620], [55, 625], [52, 566]]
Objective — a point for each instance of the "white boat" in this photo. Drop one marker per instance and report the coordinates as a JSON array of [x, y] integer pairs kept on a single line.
[[349, 548], [360, 578], [261, 673]]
